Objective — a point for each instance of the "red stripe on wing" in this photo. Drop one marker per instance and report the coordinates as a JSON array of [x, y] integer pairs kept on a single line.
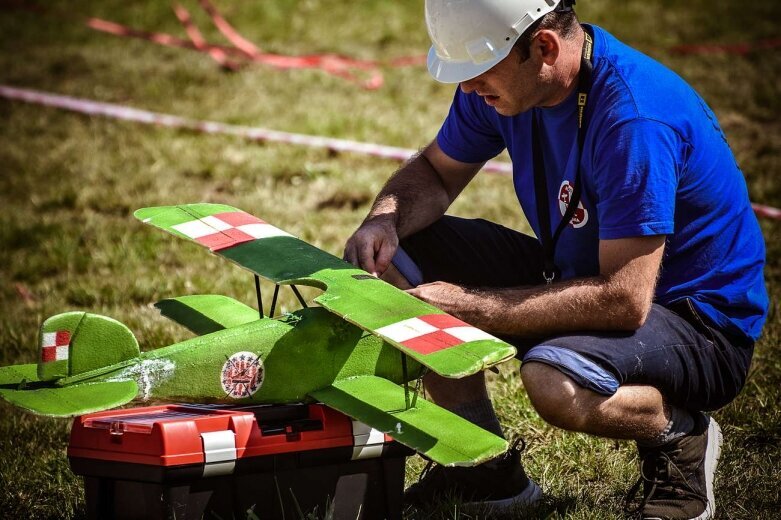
[[224, 239], [432, 342], [238, 218], [442, 321]]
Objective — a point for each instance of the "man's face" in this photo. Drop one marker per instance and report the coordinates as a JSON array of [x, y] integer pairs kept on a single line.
[[511, 86]]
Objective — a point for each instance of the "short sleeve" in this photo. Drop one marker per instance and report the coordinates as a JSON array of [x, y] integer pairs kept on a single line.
[[470, 134], [637, 167]]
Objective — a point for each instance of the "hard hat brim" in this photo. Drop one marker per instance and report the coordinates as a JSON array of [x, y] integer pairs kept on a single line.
[[458, 71]]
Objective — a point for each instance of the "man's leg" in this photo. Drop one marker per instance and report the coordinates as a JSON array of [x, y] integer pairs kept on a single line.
[[472, 253], [467, 397], [648, 386], [678, 458], [615, 384], [634, 412]]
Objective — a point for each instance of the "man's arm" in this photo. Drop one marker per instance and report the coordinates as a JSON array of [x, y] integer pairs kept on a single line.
[[618, 299], [415, 196]]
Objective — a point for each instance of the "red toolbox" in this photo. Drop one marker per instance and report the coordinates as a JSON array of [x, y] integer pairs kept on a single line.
[[256, 462]]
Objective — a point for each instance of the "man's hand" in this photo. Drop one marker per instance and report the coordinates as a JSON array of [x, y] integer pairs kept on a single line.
[[413, 198], [373, 245]]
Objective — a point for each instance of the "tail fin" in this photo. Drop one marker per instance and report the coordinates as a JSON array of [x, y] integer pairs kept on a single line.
[[77, 342]]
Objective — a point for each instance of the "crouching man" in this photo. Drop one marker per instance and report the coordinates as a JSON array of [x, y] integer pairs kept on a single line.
[[638, 307]]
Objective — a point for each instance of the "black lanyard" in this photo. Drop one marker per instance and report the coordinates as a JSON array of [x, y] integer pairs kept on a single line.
[[540, 182]]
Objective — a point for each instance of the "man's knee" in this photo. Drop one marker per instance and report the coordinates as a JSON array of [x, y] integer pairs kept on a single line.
[[558, 399]]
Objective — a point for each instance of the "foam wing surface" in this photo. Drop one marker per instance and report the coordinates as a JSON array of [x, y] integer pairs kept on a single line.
[[427, 428], [19, 385], [207, 313]]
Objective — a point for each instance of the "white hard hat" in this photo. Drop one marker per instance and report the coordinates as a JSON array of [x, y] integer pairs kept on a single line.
[[471, 36]]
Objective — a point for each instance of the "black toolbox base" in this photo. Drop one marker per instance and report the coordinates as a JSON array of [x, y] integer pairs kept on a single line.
[[369, 489]]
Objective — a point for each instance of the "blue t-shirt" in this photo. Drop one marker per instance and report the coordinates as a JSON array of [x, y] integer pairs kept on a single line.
[[655, 162]]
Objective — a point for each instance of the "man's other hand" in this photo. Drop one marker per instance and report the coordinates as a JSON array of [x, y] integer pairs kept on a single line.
[[373, 245]]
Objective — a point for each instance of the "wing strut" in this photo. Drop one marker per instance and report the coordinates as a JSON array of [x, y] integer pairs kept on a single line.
[[260, 300], [274, 299], [298, 295], [406, 378], [418, 383]]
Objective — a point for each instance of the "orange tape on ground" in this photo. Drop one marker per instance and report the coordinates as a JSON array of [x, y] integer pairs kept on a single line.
[[217, 54]]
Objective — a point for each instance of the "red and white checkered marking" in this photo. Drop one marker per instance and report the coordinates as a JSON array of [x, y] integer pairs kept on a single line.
[[55, 345], [432, 333], [225, 230]]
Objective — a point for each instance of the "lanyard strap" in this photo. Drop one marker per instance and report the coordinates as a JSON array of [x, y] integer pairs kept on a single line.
[[540, 182]]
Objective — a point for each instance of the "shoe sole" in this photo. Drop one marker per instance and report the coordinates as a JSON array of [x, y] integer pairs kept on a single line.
[[529, 496], [712, 453]]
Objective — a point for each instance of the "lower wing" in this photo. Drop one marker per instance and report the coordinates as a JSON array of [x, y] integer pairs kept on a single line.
[[207, 313], [427, 428]]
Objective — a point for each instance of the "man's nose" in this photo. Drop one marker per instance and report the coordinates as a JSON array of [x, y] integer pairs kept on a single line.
[[469, 85]]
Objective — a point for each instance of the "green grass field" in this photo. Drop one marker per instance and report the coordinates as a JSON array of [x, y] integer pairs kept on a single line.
[[69, 184]]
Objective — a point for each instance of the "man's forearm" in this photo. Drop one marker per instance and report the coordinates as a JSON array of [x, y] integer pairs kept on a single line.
[[413, 197], [595, 303], [618, 299]]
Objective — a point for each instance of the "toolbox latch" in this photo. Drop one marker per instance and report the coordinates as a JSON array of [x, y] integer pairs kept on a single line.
[[219, 453]]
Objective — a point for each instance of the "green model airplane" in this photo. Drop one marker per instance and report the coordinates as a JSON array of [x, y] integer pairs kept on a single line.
[[357, 352]]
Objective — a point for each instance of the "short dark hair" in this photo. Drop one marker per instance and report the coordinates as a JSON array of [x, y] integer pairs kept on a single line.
[[563, 23]]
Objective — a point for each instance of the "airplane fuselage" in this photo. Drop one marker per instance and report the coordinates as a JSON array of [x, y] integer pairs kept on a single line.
[[266, 361]]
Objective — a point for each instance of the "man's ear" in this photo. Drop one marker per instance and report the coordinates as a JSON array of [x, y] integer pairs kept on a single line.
[[547, 44]]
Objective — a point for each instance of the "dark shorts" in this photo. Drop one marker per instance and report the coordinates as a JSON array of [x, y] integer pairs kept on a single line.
[[693, 364]]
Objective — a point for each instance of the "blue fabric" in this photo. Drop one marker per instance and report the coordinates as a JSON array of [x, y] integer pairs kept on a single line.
[[407, 267], [655, 162], [585, 372]]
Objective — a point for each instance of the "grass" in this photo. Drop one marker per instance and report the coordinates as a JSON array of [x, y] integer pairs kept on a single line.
[[69, 184]]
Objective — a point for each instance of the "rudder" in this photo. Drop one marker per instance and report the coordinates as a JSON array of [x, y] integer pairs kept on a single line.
[[76, 342]]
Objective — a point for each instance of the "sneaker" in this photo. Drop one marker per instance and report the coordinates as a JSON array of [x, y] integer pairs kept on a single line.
[[500, 484], [677, 477]]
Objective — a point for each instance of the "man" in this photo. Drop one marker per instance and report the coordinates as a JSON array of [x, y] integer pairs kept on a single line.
[[634, 315]]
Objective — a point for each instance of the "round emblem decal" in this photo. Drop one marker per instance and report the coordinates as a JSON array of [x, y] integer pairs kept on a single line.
[[242, 375], [580, 217]]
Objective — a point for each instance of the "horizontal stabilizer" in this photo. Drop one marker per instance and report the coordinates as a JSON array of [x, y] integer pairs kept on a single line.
[[427, 428], [20, 386], [207, 313]]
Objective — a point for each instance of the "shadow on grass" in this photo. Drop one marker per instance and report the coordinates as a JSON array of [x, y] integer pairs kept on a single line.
[[451, 508]]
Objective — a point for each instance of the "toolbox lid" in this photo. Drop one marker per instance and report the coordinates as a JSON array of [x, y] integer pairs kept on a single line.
[[217, 436]]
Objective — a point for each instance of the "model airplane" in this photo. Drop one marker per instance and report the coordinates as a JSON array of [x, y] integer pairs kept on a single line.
[[357, 352]]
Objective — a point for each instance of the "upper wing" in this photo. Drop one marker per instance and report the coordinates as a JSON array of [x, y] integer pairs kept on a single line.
[[444, 344], [427, 428]]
